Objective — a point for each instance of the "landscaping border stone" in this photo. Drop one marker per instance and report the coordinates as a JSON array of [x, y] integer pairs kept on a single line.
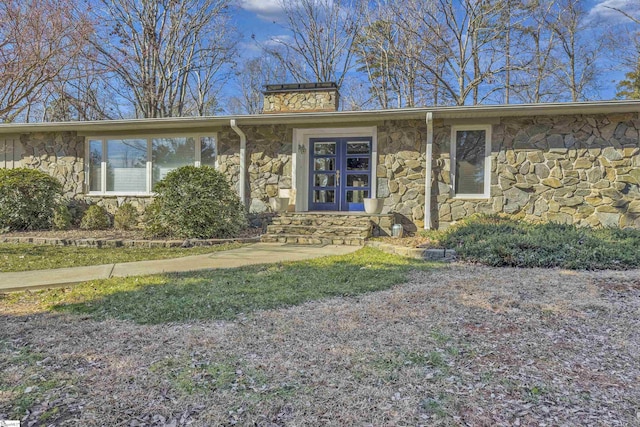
[[126, 243], [428, 254]]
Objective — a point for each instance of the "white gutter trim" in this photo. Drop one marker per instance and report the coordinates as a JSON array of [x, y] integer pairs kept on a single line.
[[428, 167], [243, 161], [454, 112]]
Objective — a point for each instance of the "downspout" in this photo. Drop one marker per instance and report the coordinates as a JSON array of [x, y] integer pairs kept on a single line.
[[428, 167], [243, 161]]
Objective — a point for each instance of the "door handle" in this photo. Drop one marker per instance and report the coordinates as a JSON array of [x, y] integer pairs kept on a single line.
[[338, 178]]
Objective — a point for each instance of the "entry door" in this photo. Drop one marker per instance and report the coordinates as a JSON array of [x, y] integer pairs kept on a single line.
[[340, 173]]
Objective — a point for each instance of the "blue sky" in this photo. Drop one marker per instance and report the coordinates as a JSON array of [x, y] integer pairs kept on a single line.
[[264, 19], [261, 17]]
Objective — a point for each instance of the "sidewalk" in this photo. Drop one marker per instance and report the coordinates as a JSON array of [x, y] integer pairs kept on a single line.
[[258, 253]]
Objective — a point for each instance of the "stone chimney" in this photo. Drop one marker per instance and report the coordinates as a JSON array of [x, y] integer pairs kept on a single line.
[[301, 97]]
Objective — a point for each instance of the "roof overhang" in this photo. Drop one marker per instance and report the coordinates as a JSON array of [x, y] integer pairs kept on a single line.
[[339, 117]]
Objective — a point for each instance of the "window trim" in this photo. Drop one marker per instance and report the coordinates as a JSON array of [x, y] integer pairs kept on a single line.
[[149, 163], [487, 161]]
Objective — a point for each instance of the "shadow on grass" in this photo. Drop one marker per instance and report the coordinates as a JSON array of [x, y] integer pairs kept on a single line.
[[224, 294]]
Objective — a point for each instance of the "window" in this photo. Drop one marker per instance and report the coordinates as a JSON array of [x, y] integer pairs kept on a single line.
[[471, 161], [126, 165], [171, 153], [135, 165]]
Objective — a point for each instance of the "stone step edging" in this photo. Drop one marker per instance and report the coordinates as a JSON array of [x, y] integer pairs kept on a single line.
[[417, 253]]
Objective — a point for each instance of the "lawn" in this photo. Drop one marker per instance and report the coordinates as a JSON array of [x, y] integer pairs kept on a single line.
[[24, 257], [361, 339], [223, 294]]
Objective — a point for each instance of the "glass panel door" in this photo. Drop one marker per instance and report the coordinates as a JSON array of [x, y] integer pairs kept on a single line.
[[341, 173], [324, 175]]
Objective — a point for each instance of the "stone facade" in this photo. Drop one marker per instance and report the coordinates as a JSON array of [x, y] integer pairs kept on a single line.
[[296, 102], [228, 160], [112, 203], [61, 155], [268, 163], [577, 169], [580, 170], [401, 170]]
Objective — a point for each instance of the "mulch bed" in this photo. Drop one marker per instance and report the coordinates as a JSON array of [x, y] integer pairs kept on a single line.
[[458, 345]]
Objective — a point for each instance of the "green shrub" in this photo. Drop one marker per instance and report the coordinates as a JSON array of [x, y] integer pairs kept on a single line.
[[28, 198], [77, 208], [126, 217], [62, 217], [195, 202], [95, 218], [151, 221], [499, 241]]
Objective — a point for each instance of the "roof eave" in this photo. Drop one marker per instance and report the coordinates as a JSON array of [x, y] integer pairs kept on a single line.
[[339, 117]]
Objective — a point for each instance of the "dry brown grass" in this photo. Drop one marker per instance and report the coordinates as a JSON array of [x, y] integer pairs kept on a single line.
[[464, 345]]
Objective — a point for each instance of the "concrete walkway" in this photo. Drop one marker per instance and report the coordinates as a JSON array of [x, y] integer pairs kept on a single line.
[[258, 253]]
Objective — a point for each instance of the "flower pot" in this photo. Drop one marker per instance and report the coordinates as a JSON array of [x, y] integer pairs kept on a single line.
[[373, 205], [279, 204]]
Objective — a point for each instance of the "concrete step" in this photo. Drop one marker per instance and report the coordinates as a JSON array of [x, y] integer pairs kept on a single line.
[[318, 231], [334, 228], [312, 240], [322, 220]]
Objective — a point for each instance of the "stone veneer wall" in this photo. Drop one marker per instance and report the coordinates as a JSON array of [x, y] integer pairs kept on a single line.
[[582, 170], [268, 163], [228, 145], [310, 100], [401, 170], [61, 155]]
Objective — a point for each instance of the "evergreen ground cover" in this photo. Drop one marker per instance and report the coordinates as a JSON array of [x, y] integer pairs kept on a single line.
[[506, 242]]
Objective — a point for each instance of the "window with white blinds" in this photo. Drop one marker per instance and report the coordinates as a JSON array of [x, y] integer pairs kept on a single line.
[[134, 165]]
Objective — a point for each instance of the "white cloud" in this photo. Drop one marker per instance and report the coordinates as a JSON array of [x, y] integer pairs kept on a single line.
[[606, 10], [268, 10], [277, 40]]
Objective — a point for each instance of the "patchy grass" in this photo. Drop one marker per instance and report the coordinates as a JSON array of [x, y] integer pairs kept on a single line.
[[224, 294], [193, 375], [505, 242], [457, 345], [25, 257], [19, 361]]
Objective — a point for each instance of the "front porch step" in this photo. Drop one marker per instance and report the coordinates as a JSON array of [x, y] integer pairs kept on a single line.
[[319, 230], [311, 240], [328, 228], [322, 220]]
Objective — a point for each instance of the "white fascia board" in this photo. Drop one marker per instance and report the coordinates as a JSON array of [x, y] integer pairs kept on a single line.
[[339, 117]]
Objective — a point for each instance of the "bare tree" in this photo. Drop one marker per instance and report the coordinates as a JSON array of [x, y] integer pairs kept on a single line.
[[80, 92], [533, 76], [38, 38], [167, 54], [322, 35], [575, 66], [626, 44], [460, 45], [252, 76], [385, 51]]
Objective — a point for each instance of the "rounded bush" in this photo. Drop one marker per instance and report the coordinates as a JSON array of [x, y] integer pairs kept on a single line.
[[195, 202], [95, 218], [126, 217], [28, 198], [62, 217]]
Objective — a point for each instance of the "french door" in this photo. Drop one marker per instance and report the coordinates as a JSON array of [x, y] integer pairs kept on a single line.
[[340, 173]]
